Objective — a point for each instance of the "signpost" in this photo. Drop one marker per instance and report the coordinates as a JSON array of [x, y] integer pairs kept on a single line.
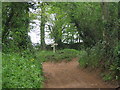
[[53, 45]]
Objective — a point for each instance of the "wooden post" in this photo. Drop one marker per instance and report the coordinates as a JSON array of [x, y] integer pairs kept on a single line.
[[53, 45]]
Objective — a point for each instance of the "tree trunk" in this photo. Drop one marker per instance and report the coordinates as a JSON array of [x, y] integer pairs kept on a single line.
[[42, 27]]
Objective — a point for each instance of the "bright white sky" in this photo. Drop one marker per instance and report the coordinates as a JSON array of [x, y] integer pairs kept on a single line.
[[35, 34], [35, 31]]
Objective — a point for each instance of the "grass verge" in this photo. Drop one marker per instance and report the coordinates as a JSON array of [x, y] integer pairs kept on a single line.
[[65, 54]]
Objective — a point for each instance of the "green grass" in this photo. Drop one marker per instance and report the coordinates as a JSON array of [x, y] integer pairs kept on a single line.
[[66, 54], [20, 72]]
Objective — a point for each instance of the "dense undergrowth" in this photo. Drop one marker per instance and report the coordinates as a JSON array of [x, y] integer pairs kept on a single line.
[[24, 70], [65, 54], [21, 71], [95, 57]]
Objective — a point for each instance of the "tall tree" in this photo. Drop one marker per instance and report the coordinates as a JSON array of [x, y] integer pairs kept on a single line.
[[42, 25], [15, 25]]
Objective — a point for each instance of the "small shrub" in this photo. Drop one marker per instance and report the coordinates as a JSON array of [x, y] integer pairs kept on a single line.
[[83, 61], [107, 76]]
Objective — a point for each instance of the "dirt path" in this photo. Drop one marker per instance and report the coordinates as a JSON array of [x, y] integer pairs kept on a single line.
[[70, 75]]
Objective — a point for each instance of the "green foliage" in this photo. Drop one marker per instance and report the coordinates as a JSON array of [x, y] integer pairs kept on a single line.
[[91, 57], [114, 67], [83, 61], [66, 54], [97, 58], [96, 24], [0, 70], [15, 26], [20, 72], [107, 76]]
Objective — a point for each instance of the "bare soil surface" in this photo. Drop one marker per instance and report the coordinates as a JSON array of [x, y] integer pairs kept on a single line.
[[70, 75]]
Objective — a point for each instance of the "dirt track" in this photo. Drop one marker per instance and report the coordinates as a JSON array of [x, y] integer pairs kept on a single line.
[[70, 75]]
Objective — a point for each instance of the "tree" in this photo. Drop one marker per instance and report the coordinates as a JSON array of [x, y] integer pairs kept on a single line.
[[42, 25], [15, 25]]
